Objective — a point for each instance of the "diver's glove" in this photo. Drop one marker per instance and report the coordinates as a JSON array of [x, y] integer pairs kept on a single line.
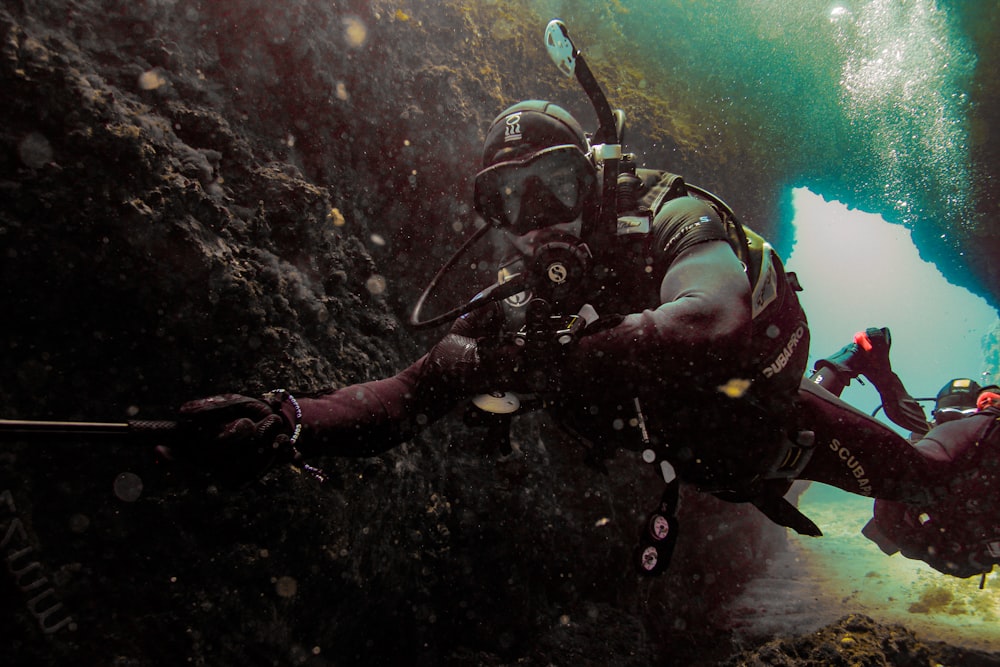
[[474, 365], [868, 355], [473, 358], [236, 438]]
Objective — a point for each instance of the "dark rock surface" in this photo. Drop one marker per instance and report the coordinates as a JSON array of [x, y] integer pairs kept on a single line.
[[857, 640], [202, 197]]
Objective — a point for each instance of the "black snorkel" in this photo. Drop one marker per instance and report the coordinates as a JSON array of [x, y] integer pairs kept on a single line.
[[607, 141]]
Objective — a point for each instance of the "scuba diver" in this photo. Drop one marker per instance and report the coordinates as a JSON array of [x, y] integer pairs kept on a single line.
[[958, 531], [632, 306]]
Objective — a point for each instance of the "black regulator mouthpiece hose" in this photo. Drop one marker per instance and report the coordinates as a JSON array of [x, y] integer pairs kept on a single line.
[[494, 292]]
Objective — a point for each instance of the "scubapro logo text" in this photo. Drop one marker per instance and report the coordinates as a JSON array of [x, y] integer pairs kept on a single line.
[[782, 359], [854, 465]]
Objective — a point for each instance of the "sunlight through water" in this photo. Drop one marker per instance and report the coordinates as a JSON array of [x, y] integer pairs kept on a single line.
[[858, 271], [905, 71]]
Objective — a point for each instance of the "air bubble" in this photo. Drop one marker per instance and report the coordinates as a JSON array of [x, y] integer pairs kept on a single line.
[[128, 487], [355, 32], [375, 284], [35, 150], [286, 586]]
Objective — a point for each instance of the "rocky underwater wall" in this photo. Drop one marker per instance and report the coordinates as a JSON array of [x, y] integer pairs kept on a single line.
[[202, 197], [206, 197]]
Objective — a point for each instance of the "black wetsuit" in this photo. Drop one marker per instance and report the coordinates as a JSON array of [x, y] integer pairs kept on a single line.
[[713, 362]]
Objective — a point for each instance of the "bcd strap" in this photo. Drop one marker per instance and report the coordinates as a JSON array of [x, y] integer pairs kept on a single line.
[[659, 534], [662, 187]]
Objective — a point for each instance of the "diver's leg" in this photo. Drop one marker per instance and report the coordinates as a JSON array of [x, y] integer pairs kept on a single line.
[[857, 453]]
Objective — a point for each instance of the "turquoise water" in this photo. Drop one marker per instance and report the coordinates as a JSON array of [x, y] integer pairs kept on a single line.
[[870, 101], [857, 271]]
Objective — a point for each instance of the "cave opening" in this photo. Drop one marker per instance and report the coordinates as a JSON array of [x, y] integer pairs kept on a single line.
[[858, 270]]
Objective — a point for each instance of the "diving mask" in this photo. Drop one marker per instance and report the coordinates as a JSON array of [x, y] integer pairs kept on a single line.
[[546, 188]]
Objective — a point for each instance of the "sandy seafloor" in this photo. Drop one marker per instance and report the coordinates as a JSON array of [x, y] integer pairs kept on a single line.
[[819, 580]]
